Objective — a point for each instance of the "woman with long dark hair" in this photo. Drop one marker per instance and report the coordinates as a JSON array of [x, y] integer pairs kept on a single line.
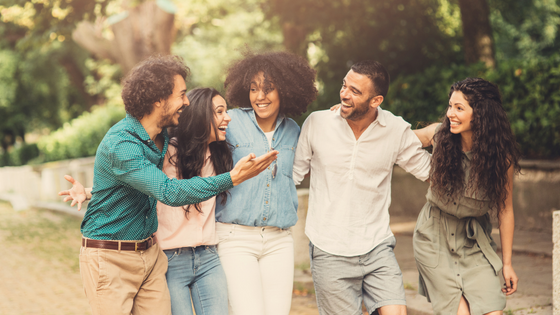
[[256, 246], [187, 234], [474, 159]]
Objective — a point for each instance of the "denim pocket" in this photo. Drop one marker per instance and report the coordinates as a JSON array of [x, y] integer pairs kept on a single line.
[[212, 249], [224, 231], [170, 253], [286, 159]]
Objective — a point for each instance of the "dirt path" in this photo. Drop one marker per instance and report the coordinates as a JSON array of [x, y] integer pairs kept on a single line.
[[34, 276], [39, 271]]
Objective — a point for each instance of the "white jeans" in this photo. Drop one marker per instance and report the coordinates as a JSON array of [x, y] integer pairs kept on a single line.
[[259, 267]]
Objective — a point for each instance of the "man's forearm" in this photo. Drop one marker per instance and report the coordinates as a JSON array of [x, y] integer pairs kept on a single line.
[[194, 190]]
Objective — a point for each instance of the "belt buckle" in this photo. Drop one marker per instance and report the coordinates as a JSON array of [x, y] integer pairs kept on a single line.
[[135, 246]]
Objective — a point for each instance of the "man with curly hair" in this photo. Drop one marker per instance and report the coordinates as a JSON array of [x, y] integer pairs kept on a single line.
[[351, 153], [122, 267]]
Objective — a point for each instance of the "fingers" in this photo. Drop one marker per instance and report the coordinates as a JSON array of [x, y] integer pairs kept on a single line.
[[64, 192], [68, 198], [271, 155], [510, 286], [79, 206], [70, 179]]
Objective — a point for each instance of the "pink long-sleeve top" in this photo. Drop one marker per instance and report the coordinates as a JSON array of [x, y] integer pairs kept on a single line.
[[175, 230]]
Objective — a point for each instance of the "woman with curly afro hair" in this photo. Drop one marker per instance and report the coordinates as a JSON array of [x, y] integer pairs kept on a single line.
[[253, 226], [474, 159]]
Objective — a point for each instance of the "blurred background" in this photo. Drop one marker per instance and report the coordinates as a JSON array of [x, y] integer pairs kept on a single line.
[[61, 61]]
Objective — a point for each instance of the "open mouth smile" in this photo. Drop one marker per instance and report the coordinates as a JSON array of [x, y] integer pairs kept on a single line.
[[222, 129]]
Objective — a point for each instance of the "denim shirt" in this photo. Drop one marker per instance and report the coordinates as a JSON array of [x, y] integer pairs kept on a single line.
[[262, 200]]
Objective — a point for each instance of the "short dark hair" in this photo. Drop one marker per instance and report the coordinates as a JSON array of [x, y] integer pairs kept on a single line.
[[291, 74], [150, 81], [376, 73]]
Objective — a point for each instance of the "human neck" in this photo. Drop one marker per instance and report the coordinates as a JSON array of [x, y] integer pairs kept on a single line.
[[151, 125], [267, 124], [466, 141], [359, 126]]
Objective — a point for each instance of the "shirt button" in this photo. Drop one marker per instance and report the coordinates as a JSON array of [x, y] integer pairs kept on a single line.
[[264, 219], [458, 275], [266, 202], [237, 145], [455, 203], [455, 263], [452, 234], [272, 138], [267, 185], [452, 250]]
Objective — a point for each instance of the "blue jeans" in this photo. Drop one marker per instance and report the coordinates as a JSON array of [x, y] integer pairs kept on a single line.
[[196, 272]]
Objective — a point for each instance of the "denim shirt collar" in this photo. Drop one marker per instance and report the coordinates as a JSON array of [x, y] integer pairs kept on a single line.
[[253, 116]]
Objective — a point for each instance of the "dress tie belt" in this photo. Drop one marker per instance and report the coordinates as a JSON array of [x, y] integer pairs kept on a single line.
[[476, 232]]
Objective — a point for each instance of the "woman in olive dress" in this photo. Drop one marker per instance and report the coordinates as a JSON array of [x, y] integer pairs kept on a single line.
[[474, 160]]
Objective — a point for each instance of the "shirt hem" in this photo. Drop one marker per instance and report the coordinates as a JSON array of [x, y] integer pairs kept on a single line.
[[351, 255]]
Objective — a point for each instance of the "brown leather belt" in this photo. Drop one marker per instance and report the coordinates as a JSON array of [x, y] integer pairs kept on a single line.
[[119, 245]]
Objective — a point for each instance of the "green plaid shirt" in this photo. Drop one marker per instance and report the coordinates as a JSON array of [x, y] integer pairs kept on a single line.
[[128, 181]]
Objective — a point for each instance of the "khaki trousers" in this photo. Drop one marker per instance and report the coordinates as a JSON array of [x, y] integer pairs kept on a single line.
[[125, 282]]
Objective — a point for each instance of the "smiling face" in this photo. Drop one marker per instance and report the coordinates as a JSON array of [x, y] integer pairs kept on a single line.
[[356, 96], [460, 114], [221, 119], [175, 103], [265, 105]]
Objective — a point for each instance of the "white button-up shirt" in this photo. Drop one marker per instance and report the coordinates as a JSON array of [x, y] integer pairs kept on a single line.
[[350, 187]]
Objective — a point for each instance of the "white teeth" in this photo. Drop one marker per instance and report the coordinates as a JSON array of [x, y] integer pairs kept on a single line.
[[262, 105], [455, 123]]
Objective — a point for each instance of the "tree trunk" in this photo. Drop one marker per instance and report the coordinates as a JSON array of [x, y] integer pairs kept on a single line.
[[477, 32], [295, 38], [143, 30]]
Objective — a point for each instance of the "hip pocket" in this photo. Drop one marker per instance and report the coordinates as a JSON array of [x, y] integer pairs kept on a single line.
[[426, 237], [170, 254], [224, 231]]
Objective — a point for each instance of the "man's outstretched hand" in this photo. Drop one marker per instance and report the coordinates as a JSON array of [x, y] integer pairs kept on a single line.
[[250, 166], [78, 194]]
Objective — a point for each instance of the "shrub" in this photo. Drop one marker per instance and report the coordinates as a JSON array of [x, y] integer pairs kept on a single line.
[[19, 155], [530, 93], [81, 136]]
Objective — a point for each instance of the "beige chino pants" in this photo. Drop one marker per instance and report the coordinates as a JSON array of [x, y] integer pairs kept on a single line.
[[125, 282]]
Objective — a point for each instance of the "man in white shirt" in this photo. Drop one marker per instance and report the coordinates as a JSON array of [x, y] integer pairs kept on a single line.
[[350, 153]]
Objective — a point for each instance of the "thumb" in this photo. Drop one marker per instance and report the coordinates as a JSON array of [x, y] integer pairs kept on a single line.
[[69, 178]]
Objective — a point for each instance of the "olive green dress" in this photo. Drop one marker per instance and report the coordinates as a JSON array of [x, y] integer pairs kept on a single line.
[[456, 255]]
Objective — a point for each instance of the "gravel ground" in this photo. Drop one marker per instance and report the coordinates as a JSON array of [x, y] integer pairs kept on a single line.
[[39, 271]]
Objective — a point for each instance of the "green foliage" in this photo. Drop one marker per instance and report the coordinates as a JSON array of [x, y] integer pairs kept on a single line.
[[81, 137], [530, 95], [216, 32], [41, 69], [525, 28]]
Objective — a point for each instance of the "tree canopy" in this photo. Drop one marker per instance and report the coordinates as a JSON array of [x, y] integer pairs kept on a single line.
[[59, 58]]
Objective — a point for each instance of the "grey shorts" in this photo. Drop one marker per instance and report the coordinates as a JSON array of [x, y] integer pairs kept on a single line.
[[342, 282]]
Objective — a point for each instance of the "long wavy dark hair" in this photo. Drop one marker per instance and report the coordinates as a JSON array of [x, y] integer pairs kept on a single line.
[[191, 136], [494, 149]]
